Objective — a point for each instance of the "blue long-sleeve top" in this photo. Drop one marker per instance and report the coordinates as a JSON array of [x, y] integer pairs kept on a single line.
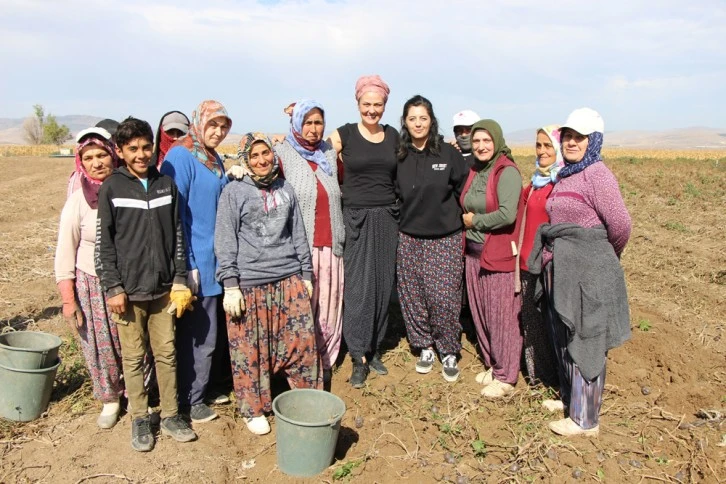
[[199, 192]]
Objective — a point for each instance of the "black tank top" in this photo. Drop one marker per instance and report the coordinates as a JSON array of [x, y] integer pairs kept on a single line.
[[369, 168]]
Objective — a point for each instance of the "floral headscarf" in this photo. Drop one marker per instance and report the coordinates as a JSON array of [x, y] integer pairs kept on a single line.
[[194, 140], [243, 151], [90, 186], [309, 151], [543, 176], [592, 156]]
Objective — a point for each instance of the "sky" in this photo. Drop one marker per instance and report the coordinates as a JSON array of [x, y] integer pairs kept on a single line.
[[649, 65]]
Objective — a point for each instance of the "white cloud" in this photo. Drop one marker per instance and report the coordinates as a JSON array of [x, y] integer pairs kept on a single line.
[[505, 57]]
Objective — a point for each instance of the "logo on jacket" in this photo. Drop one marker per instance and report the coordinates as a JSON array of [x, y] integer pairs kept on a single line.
[[438, 166]]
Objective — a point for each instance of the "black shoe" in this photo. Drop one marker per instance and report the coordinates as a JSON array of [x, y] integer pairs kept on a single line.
[[377, 365], [360, 373], [178, 429], [327, 379], [202, 413], [142, 440]]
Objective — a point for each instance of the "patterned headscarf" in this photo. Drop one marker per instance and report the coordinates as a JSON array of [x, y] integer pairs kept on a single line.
[[592, 156], [309, 151], [495, 131], [194, 140], [90, 186], [374, 84], [544, 175], [243, 151]]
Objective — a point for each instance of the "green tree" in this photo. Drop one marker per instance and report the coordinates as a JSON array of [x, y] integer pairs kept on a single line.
[[33, 126], [39, 128], [53, 133]]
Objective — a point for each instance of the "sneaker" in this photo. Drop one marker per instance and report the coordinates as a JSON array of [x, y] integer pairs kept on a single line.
[[497, 389], [568, 428], [553, 405], [360, 373], [377, 365], [426, 361], [142, 440], [178, 429], [216, 398], [109, 415], [258, 425], [450, 371], [485, 377], [202, 413]]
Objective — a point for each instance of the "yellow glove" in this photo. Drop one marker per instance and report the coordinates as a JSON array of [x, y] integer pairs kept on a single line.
[[309, 287], [181, 300]]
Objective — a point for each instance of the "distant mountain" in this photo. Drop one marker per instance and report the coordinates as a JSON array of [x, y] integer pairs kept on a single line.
[[672, 139], [11, 129]]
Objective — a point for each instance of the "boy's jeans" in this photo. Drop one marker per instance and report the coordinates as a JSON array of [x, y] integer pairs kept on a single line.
[[144, 322]]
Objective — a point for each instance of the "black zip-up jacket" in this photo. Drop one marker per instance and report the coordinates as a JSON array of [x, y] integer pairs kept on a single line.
[[140, 247], [428, 188]]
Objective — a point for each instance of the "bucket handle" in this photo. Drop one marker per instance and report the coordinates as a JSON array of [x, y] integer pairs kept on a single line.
[[335, 419]]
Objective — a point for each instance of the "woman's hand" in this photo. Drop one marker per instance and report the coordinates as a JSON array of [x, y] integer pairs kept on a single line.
[[72, 313], [468, 219], [277, 138]]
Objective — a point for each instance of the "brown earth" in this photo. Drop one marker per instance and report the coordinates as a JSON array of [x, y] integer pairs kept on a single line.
[[665, 401]]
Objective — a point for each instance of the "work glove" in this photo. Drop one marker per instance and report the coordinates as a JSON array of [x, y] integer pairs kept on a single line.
[[237, 172], [233, 302], [309, 287], [181, 300], [193, 280], [71, 311]]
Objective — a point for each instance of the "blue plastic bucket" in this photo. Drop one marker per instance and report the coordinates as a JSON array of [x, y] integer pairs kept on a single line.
[[29, 350], [25, 393]]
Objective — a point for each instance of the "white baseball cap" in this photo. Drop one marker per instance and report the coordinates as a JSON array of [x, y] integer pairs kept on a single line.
[[465, 118], [585, 121], [94, 130]]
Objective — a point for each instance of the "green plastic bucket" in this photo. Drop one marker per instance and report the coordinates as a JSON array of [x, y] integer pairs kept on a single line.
[[306, 429], [29, 350], [25, 393]]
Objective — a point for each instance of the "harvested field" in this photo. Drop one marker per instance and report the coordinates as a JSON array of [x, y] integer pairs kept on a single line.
[[664, 412]]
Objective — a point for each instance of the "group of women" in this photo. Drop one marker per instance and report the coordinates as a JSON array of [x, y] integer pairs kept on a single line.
[[299, 246]]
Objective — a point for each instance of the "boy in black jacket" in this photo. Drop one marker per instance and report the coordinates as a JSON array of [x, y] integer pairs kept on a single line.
[[140, 259]]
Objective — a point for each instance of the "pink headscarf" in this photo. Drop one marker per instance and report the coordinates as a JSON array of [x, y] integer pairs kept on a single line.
[[372, 83]]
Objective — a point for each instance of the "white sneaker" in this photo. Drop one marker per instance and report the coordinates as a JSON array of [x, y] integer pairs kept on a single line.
[[568, 428], [450, 369], [426, 361], [497, 389], [485, 377], [258, 425], [553, 405], [109, 415]]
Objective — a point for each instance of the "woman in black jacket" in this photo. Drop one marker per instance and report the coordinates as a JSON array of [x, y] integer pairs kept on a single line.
[[430, 176]]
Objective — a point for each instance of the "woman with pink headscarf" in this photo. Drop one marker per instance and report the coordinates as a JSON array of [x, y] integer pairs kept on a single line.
[[84, 304], [539, 355], [370, 214]]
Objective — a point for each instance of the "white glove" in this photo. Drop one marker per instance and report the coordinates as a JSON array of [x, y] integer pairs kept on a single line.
[[193, 280], [237, 172], [233, 303], [309, 287]]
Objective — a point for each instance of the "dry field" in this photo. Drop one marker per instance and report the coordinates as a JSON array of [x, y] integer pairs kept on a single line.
[[665, 401]]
